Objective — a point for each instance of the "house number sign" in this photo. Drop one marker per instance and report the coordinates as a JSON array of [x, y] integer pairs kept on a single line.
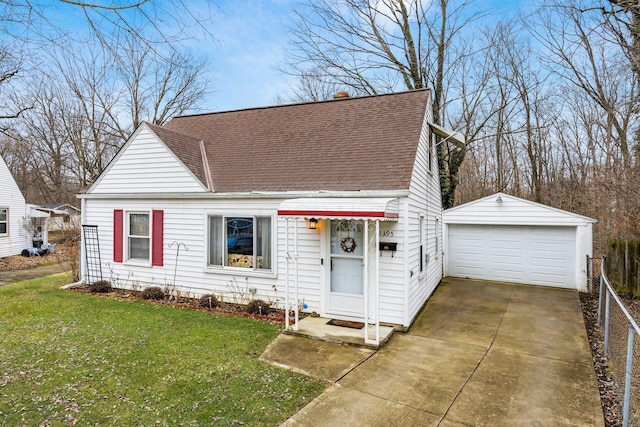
[[385, 233]]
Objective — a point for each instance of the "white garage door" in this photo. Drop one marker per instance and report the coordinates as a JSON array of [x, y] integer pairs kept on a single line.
[[520, 254]]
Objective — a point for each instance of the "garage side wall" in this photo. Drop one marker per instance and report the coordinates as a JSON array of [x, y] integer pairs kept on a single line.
[[584, 248]]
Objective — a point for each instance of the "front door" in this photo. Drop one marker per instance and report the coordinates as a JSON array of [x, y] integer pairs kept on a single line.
[[346, 279]]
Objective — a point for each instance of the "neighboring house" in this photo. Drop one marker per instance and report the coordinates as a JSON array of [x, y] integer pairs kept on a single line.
[[14, 236], [330, 206], [64, 217], [509, 239], [22, 225]]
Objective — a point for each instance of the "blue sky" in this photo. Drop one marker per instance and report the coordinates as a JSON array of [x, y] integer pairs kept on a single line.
[[251, 39], [251, 43]]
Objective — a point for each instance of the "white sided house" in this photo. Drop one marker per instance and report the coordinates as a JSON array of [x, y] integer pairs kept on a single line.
[[64, 217], [13, 213], [331, 207], [506, 238]]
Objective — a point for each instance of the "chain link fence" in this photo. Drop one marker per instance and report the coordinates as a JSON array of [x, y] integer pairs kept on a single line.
[[622, 348]]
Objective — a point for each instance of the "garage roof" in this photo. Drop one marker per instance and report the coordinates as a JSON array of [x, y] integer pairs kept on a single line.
[[504, 209]]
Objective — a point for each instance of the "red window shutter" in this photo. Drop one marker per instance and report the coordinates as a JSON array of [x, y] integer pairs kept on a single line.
[[157, 239], [118, 235]]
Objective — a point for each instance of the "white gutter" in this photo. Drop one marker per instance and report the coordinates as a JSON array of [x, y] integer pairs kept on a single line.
[[247, 195]]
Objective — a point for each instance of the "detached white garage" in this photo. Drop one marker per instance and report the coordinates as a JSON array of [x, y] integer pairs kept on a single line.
[[509, 239]]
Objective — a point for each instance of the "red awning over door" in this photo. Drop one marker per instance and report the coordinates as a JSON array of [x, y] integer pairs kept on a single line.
[[384, 209]]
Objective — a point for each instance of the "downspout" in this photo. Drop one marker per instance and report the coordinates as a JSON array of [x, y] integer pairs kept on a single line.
[[377, 276], [83, 220], [405, 262], [365, 281], [376, 282], [286, 280], [296, 305]]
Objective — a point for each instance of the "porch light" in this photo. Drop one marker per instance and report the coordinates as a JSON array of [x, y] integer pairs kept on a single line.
[[313, 224], [499, 199]]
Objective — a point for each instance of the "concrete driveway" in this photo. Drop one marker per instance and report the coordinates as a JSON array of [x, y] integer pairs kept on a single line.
[[479, 354]]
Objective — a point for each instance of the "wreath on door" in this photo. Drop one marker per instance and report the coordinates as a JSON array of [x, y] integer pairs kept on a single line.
[[348, 244]]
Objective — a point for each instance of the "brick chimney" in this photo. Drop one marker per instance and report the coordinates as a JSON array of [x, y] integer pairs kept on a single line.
[[341, 94]]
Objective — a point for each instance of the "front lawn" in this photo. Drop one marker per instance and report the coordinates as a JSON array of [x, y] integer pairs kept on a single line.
[[68, 358]]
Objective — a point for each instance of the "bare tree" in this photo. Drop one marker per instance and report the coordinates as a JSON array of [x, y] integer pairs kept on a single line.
[[566, 115], [379, 47], [311, 86], [69, 114], [159, 88], [623, 19], [151, 22], [67, 139], [592, 64]]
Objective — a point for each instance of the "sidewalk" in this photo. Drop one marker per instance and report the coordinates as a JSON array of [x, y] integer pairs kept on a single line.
[[11, 276]]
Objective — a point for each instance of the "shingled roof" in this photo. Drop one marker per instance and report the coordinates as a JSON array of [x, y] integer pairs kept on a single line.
[[186, 148], [363, 143]]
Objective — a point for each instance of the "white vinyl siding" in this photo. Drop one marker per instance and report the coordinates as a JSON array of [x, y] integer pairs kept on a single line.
[[151, 165], [15, 238], [424, 201], [511, 211], [184, 222], [310, 266], [187, 222]]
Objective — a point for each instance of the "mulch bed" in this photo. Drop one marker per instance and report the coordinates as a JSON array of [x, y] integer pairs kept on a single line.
[[62, 254], [272, 316], [611, 403]]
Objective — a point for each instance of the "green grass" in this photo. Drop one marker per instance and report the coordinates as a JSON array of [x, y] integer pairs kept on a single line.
[[68, 358]]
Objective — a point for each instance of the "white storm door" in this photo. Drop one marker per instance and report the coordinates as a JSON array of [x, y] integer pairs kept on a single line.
[[346, 264]]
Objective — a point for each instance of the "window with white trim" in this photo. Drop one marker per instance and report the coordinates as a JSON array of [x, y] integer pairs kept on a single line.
[[4, 221], [138, 236], [240, 241]]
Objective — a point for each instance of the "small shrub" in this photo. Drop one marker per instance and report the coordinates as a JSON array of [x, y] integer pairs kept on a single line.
[[257, 306], [208, 301], [101, 287], [153, 292]]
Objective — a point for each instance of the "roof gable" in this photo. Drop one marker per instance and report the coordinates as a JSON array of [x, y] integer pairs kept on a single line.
[[9, 190], [504, 209], [147, 164], [364, 143]]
